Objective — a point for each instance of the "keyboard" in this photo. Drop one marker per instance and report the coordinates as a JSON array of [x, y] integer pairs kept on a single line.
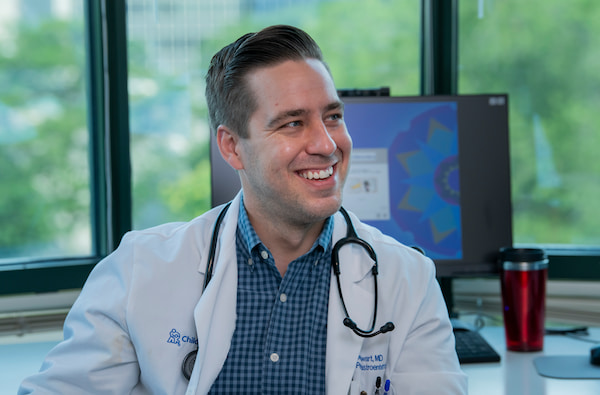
[[471, 347]]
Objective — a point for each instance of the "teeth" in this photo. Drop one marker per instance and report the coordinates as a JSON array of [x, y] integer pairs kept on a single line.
[[318, 175]]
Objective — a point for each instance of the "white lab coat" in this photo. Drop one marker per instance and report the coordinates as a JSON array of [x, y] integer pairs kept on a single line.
[[141, 312]]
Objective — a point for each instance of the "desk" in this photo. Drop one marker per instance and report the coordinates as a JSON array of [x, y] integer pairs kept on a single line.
[[515, 374]]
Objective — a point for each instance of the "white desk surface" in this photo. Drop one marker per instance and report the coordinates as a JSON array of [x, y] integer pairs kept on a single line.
[[516, 374]]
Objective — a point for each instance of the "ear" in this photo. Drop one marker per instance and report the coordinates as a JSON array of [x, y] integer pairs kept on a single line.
[[229, 146]]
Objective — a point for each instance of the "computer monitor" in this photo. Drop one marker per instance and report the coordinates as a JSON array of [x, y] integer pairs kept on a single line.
[[430, 171]]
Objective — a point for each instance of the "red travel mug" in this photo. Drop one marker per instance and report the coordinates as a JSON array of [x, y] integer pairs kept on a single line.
[[523, 282]]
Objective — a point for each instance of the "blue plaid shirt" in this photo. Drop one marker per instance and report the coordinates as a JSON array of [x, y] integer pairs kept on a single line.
[[279, 342]]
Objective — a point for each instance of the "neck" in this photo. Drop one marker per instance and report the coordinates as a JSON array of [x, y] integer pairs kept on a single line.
[[286, 241]]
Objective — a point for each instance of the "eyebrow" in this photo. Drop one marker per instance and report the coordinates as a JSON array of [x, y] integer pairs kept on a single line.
[[284, 115], [336, 105], [299, 112]]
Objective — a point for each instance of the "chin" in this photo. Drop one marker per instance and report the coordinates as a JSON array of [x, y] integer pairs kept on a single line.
[[324, 209]]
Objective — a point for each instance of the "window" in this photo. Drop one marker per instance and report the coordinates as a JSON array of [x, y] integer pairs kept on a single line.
[[45, 204], [56, 159], [170, 45], [545, 55]]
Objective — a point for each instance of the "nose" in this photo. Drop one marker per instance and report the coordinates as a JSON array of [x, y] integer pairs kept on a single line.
[[320, 141]]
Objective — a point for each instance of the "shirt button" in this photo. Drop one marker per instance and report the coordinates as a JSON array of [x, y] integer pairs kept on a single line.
[[283, 298], [264, 254], [250, 261], [274, 357]]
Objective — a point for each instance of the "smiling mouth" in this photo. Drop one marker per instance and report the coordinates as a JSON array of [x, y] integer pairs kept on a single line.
[[317, 174]]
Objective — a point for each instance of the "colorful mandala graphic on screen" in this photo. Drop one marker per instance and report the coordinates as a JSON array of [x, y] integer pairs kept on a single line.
[[424, 179]]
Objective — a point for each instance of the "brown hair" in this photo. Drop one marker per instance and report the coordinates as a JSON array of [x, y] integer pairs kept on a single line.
[[230, 100]]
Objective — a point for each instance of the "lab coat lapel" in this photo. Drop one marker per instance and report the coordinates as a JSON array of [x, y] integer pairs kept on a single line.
[[215, 313], [343, 345]]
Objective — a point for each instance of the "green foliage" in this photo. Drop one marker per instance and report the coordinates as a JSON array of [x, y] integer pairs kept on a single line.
[[189, 191], [378, 47], [546, 55], [366, 44], [43, 140]]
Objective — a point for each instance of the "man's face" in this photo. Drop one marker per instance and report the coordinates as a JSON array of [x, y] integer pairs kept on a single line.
[[295, 160]]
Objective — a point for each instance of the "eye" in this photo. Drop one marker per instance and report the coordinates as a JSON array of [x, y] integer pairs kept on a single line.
[[334, 117], [292, 124]]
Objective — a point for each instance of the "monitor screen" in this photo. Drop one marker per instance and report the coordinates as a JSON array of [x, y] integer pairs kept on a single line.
[[430, 171]]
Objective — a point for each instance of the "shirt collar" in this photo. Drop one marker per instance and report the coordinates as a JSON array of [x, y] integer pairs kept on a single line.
[[249, 236]]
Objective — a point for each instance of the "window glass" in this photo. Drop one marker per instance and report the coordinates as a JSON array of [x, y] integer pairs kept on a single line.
[[44, 165], [546, 55], [170, 45]]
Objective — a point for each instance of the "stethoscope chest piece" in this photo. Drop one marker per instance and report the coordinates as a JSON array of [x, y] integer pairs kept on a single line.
[[188, 364]]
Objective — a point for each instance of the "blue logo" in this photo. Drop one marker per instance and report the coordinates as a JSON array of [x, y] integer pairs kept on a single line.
[[176, 338]]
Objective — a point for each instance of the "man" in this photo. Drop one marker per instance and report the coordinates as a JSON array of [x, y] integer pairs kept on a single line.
[[269, 318]]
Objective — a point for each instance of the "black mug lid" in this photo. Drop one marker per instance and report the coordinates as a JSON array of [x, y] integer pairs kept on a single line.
[[511, 254]]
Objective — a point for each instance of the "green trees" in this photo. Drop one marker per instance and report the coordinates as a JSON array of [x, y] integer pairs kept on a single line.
[[44, 174], [546, 55]]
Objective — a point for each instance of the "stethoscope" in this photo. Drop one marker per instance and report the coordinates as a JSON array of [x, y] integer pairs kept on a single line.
[[351, 238]]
